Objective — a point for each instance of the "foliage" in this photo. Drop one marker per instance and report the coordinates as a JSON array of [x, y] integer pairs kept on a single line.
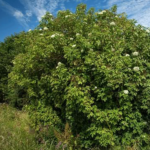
[[11, 47], [93, 70], [44, 120], [66, 139]]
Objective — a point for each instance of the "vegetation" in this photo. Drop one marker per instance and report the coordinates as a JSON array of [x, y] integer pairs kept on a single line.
[[15, 132], [87, 73]]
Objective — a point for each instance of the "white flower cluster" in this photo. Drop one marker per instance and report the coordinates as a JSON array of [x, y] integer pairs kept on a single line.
[[71, 38], [50, 14], [52, 36], [126, 92], [29, 30], [73, 45], [41, 34], [148, 31], [112, 24], [136, 68], [95, 87], [40, 29], [127, 55], [67, 16], [100, 13], [45, 28], [59, 64], [82, 50], [135, 53], [77, 34]]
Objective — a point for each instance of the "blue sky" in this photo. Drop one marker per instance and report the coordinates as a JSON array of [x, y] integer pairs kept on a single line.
[[22, 15]]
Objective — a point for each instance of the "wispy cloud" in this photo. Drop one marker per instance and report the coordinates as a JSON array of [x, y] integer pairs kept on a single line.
[[14, 12], [39, 7], [18, 14], [135, 9]]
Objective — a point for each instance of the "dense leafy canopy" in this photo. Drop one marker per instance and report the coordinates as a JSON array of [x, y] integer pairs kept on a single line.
[[89, 69]]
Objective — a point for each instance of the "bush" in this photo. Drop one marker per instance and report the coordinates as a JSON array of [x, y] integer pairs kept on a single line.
[[92, 69], [11, 47], [44, 120]]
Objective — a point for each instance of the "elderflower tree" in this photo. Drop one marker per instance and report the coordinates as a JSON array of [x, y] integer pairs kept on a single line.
[[91, 69]]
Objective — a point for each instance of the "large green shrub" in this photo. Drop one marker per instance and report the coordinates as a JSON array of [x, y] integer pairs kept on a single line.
[[11, 47], [92, 69]]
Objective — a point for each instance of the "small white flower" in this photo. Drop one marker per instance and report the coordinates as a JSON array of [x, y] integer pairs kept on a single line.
[[100, 13], [45, 28], [67, 16], [73, 45], [43, 16], [50, 14], [41, 34], [52, 36], [40, 29], [93, 68], [71, 38], [57, 67], [82, 50], [136, 68], [143, 136], [116, 16], [135, 53], [29, 30], [95, 87], [147, 31], [112, 23], [129, 68], [127, 55], [77, 34], [59, 63], [126, 92]]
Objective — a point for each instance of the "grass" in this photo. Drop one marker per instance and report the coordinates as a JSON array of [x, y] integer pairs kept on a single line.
[[15, 133]]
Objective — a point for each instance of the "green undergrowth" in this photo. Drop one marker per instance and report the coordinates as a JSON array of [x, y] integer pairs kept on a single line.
[[15, 132]]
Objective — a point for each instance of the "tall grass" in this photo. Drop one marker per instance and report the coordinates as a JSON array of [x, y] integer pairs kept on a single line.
[[15, 133]]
